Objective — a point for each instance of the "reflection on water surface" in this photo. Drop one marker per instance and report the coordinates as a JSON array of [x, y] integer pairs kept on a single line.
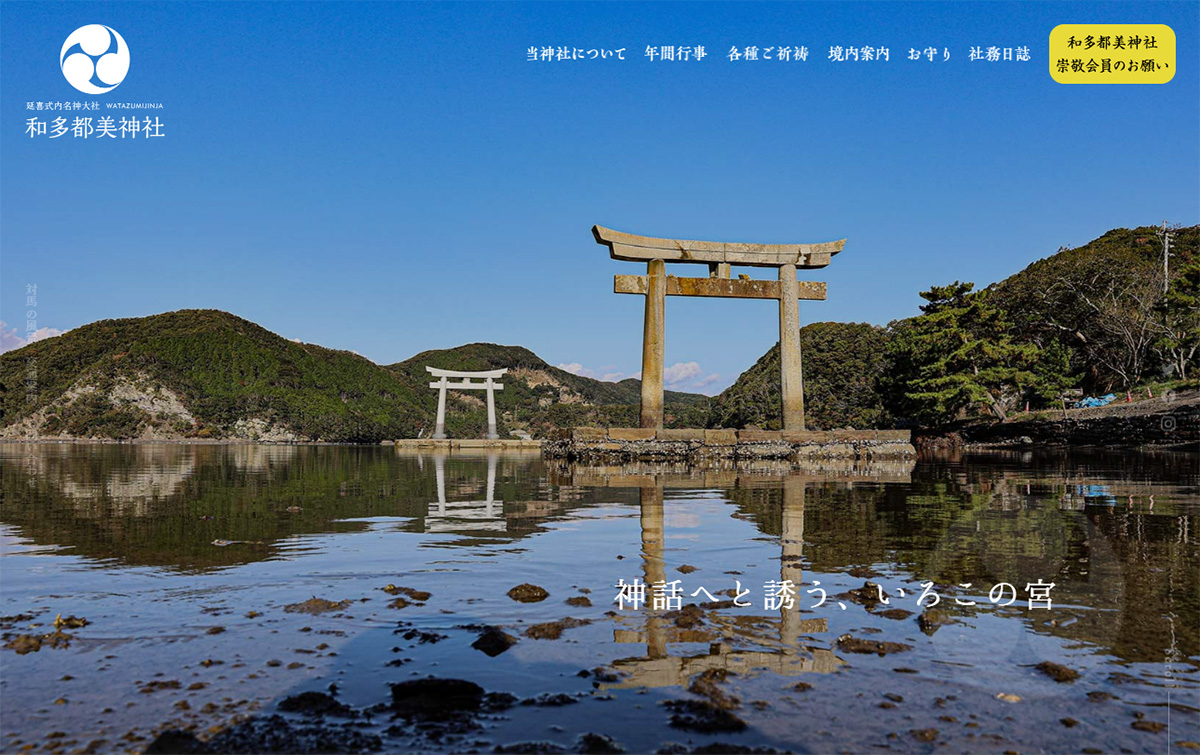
[[188, 632]]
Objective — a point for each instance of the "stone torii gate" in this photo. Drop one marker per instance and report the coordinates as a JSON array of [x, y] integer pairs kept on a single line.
[[489, 384], [656, 285]]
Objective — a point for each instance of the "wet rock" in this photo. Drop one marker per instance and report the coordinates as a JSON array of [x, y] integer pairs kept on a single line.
[[175, 742], [802, 686], [933, 619], [905, 670], [702, 716], [1069, 722], [720, 748], [529, 747], [851, 644], [9, 622], [707, 685], [887, 705], [492, 641], [399, 603], [1008, 697], [420, 596], [687, 569], [276, 734], [316, 704], [599, 744], [1099, 696], [527, 593], [157, 685], [548, 700], [714, 605], [316, 605], [408, 632], [604, 675], [498, 701], [31, 643], [436, 699], [897, 614], [1058, 673], [214, 630], [894, 697], [688, 617], [867, 595], [1150, 726], [71, 622], [580, 601], [924, 735], [552, 630]]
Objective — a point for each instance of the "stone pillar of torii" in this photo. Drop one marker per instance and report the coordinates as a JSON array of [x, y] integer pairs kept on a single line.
[[656, 285], [489, 384]]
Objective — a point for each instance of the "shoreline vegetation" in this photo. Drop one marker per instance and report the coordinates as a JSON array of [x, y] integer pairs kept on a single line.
[[977, 367]]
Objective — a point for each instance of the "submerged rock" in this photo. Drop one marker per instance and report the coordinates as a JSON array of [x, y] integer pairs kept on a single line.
[[867, 595], [31, 643], [1057, 673], [707, 685], [851, 644], [315, 605], [932, 620], [419, 596], [316, 704], [527, 593], [529, 747], [493, 641], [580, 601], [176, 742], [702, 716], [691, 615], [548, 700], [552, 630], [599, 744], [435, 698]]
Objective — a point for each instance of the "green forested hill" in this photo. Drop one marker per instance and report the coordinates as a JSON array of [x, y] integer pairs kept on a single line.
[[842, 364], [537, 396], [210, 374]]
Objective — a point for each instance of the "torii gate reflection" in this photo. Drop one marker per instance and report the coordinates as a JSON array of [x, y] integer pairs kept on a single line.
[[658, 668], [487, 514]]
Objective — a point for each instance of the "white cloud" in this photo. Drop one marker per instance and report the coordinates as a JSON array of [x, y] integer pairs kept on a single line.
[[9, 340], [42, 334], [575, 368], [681, 372], [613, 377]]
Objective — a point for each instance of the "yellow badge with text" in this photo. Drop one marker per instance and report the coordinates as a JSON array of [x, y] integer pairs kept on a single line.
[[1112, 53]]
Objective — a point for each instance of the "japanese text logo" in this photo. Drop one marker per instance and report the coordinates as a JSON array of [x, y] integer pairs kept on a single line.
[[94, 59]]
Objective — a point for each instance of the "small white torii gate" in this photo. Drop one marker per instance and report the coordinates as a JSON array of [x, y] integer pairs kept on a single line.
[[489, 384]]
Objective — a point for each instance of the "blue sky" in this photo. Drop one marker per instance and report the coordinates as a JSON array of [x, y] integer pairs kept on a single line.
[[390, 178]]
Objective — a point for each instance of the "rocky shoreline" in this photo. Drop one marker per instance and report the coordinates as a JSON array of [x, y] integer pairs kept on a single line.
[[608, 445]]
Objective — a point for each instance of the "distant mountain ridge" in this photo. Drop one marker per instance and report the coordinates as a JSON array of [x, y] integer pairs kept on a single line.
[[208, 374]]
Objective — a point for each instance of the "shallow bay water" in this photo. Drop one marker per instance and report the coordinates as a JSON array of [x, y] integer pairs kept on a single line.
[[195, 568]]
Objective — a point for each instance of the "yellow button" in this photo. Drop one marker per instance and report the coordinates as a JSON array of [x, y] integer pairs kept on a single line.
[[1112, 53]]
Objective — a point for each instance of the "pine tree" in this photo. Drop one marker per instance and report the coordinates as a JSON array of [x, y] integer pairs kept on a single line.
[[957, 355]]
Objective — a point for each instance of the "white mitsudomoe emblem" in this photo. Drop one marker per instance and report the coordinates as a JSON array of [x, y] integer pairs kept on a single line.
[[94, 59]]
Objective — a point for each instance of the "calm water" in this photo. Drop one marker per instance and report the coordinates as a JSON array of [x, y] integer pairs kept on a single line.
[[187, 632]]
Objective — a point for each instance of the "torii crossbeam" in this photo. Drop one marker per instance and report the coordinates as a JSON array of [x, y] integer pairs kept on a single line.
[[656, 285]]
